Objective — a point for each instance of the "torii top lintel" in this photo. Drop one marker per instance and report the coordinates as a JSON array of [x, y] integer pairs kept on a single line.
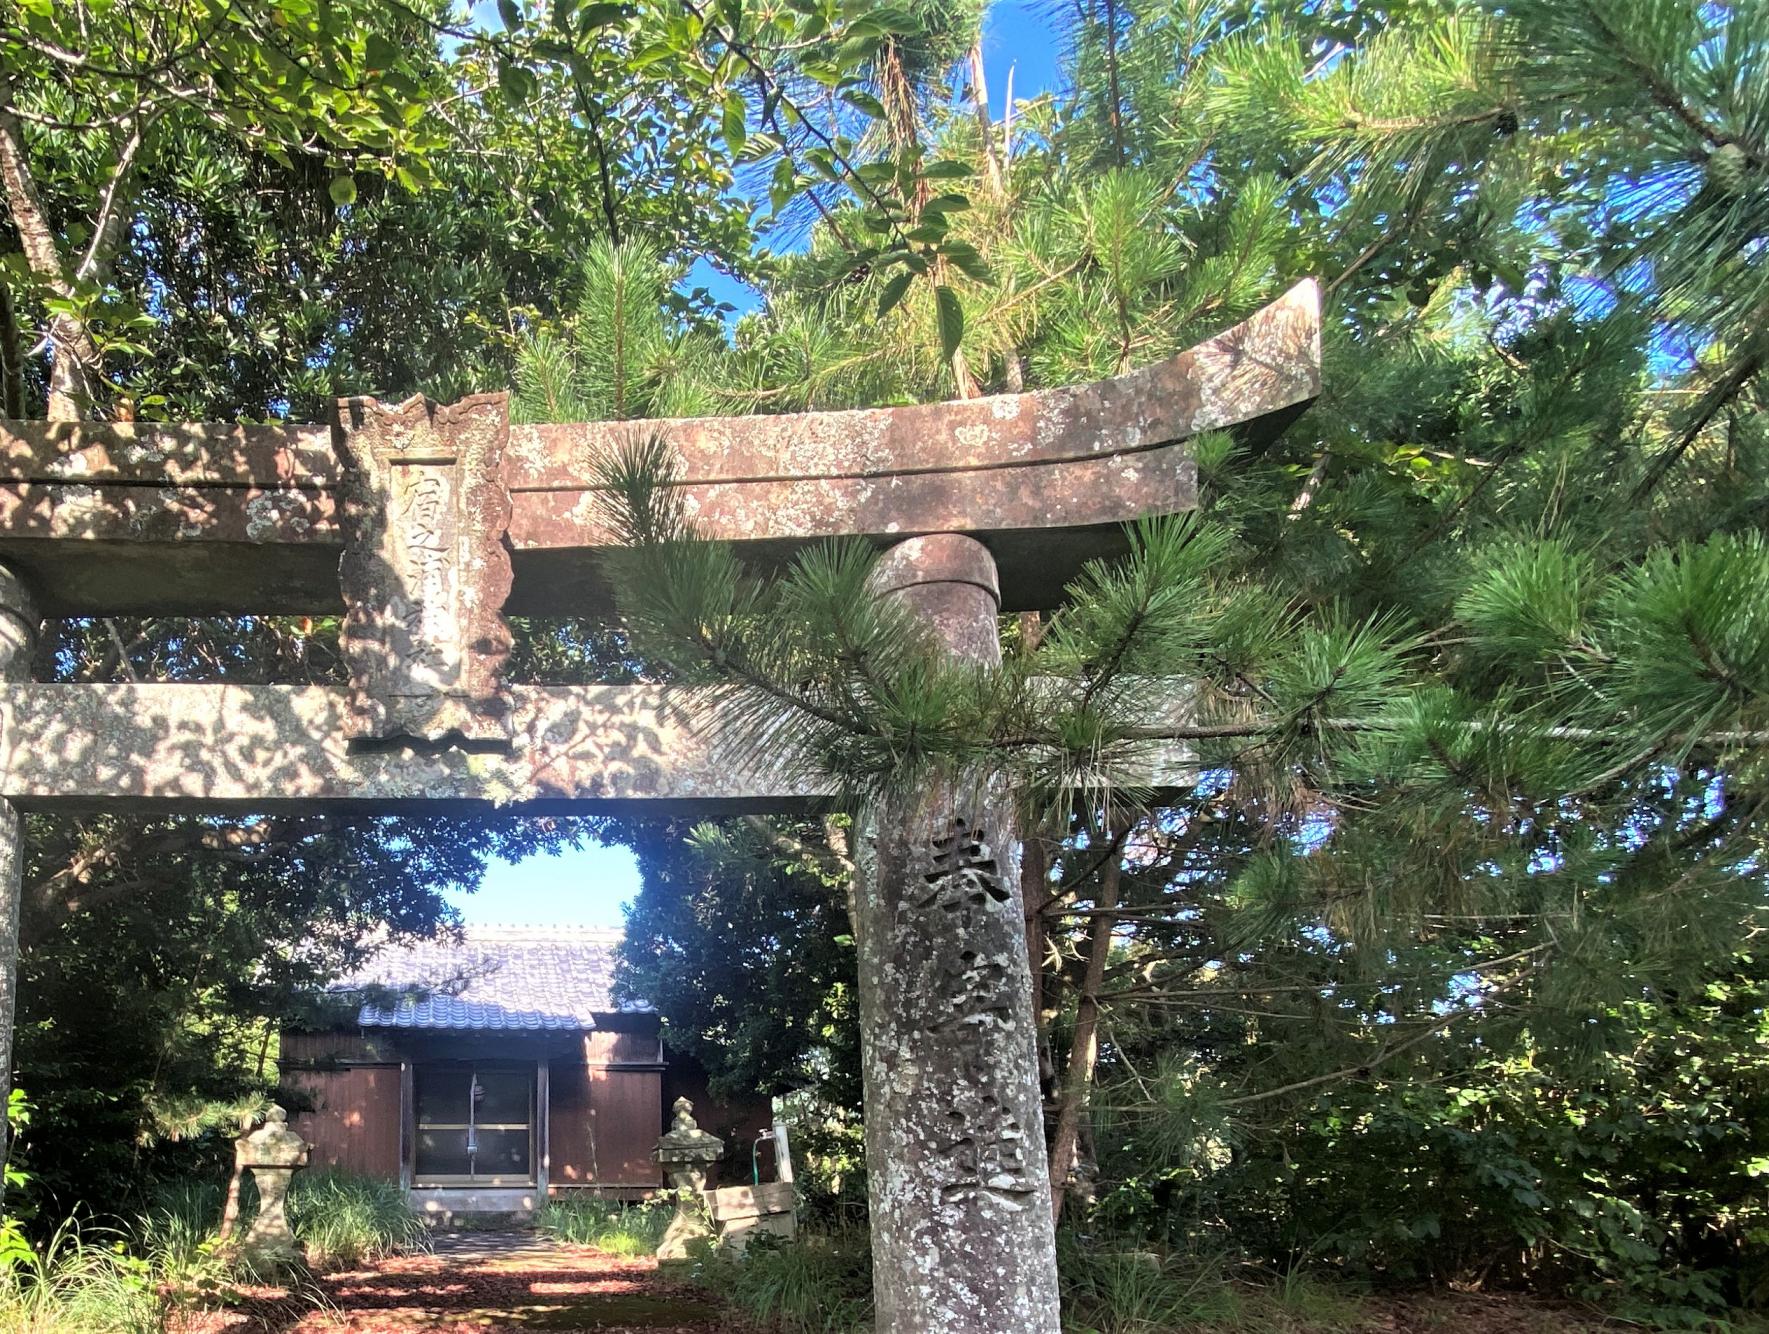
[[140, 518]]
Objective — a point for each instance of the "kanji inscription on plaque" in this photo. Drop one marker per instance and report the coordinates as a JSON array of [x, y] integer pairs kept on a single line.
[[425, 569]]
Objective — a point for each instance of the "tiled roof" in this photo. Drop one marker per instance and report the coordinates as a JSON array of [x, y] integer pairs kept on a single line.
[[495, 977]]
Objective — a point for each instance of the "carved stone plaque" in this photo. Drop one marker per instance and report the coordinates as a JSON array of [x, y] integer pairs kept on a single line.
[[426, 570]]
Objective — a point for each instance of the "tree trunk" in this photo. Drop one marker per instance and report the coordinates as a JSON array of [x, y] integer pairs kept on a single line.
[[230, 1211], [979, 82], [12, 360], [1035, 892], [73, 357], [1035, 895], [1084, 1050]]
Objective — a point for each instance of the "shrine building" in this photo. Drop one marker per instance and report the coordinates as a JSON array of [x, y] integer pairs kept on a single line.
[[491, 1073]]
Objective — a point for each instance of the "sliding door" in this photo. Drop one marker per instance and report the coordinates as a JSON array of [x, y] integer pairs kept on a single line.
[[475, 1123]]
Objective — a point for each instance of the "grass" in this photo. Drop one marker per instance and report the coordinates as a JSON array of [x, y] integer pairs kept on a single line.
[[1139, 1292], [89, 1281], [346, 1221], [343, 1220], [177, 1234], [608, 1225], [820, 1283], [79, 1284]]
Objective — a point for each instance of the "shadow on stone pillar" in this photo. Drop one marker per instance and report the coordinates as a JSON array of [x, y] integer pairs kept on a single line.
[[272, 1153], [18, 638], [962, 1238]]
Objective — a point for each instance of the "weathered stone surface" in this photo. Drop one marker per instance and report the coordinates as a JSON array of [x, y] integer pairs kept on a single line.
[[272, 1153], [124, 518], [687, 1154], [274, 747], [962, 1234], [193, 454], [425, 573], [220, 747], [1262, 366]]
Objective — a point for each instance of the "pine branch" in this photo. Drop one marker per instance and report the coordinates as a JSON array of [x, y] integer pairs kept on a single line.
[[1365, 1068], [1658, 87], [1716, 401]]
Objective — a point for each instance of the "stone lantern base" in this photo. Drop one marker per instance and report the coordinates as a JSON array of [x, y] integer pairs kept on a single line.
[[686, 1154]]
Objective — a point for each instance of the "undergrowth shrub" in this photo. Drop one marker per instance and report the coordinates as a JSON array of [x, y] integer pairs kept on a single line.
[[817, 1283], [821, 1283], [79, 1283], [1627, 1174], [346, 1220], [89, 1281], [1136, 1292], [608, 1225]]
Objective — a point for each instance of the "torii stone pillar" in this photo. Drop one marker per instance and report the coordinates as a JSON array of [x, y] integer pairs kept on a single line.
[[18, 636], [962, 1237]]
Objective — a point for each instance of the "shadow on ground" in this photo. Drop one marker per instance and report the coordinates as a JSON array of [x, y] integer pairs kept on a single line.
[[480, 1283]]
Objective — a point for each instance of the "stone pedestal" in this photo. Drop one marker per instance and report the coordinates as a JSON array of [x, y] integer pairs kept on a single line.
[[962, 1237], [272, 1153], [686, 1154]]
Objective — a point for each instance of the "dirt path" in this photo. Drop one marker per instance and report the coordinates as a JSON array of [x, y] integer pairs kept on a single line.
[[481, 1283]]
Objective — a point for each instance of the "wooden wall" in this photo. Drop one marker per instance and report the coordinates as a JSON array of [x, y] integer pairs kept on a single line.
[[606, 1112], [298, 1049], [606, 1118], [608, 1101], [354, 1126]]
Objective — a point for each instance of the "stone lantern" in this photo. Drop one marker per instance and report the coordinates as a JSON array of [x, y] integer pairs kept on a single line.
[[686, 1155], [273, 1152]]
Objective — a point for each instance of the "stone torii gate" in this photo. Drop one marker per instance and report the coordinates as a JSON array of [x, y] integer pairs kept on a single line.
[[426, 524]]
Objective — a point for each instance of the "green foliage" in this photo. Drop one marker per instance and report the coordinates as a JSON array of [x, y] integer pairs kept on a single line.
[[102, 97], [608, 1225], [744, 947], [1630, 1178], [820, 1283], [77, 1283], [622, 353], [344, 1221], [1531, 603]]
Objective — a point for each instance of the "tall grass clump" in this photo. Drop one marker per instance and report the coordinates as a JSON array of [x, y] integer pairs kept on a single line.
[[818, 1283], [608, 1225], [177, 1235], [1140, 1292], [76, 1284], [345, 1220]]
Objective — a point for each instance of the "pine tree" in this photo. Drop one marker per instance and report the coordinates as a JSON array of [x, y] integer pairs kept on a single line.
[[1477, 648]]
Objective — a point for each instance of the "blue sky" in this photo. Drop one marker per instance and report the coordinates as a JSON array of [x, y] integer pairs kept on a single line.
[[588, 886], [582, 887]]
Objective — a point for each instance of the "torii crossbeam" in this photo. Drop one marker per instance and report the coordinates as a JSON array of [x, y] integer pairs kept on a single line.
[[426, 524]]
